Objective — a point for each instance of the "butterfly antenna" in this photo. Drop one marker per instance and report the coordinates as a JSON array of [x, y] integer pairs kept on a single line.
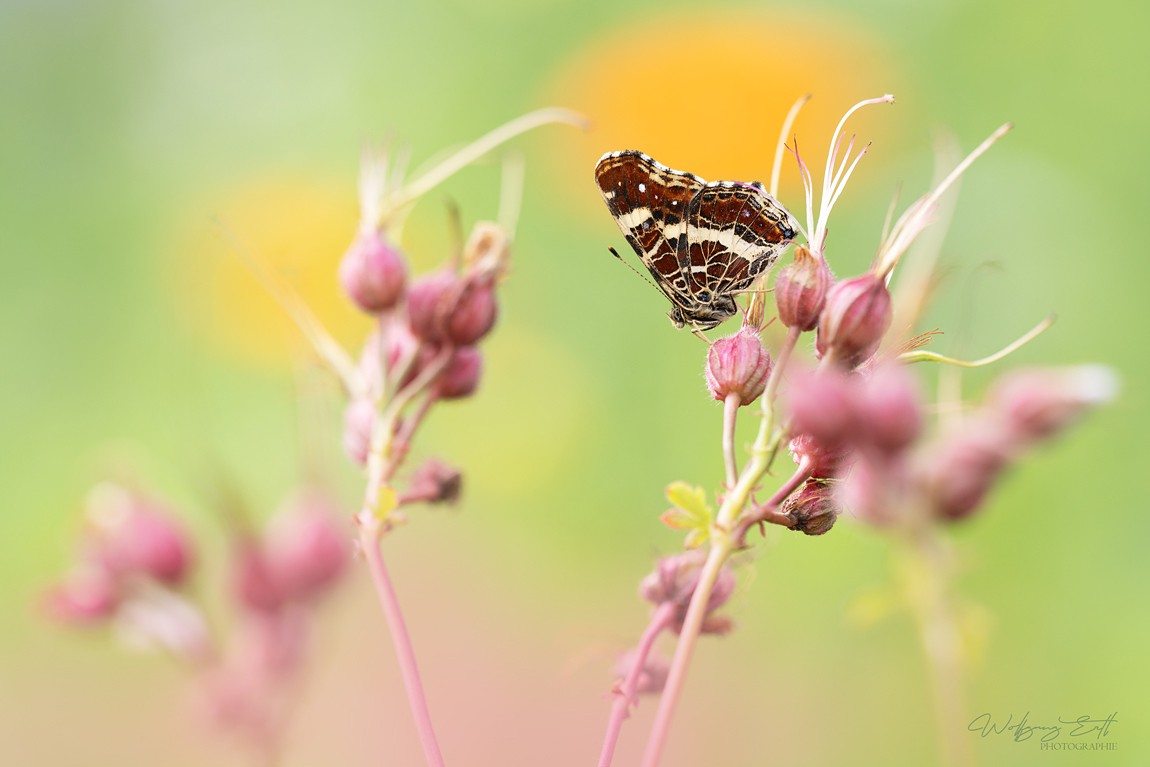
[[615, 253]]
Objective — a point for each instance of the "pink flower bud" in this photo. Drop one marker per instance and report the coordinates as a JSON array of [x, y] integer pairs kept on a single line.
[[813, 507], [253, 582], [358, 421], [828, 461], [434, 482], [889, 409], [738, 364], [84, 598], [867, 493], [461, 376], [857, 314], [651, 679], [427, 301], [962, 471], [822, 405], [674, 580], [473, 315], [801, 290], [1038, 403], [373, 272], [306, 549], [135, 536]]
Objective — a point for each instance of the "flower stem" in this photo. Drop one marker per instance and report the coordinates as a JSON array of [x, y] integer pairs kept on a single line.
[[722, 544], [661, 619], [721, 547], [730, 414], [369, 540]]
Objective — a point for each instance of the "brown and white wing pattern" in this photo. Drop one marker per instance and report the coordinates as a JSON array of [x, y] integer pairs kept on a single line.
[[649, 202], [735, 231]]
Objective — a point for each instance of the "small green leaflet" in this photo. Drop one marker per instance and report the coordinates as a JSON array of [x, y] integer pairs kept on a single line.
[[690, 512]]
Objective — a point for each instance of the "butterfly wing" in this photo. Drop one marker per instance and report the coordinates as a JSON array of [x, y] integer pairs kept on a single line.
[[734, 233], [649, 202]]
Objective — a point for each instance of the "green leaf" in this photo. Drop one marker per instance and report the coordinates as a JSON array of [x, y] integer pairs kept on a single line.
[[690, 512]]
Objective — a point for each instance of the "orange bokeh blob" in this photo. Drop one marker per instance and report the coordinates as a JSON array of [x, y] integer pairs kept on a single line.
[[708, 94]]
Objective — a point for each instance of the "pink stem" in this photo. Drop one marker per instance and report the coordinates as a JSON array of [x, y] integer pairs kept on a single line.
[[769, 511], [662, 618], [730, 413], [683, 652], [369, 541]]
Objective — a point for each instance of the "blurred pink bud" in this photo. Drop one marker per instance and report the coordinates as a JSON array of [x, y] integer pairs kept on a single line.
[[135, 536], [962, 472], [857, 314], [822, 405], [738, 364], [427, 301], [674, 580], [358, 422], [474, 312], [373, 272], [461, 376], [889, 409], [813, 507], [434, 482], [801, 290], [306, 548], [827, 461], [651, 679], [86, 597], [866, 493], [253, 581], [1038, 403]]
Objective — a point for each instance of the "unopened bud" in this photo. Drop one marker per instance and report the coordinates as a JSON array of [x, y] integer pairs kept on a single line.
[[426, 304], [674, 580], [253, 582], [801, 290], [868, 493], [652, 677], [306, 548], [856, 315], [435, 482], [358, 422], [822, 405], [889, 409], [827, 460], [474, 311], [813, 507], [86, 597], [962, 472], [373, 272], [1038, 403], [135, 536], [738, 364], [461, 376]]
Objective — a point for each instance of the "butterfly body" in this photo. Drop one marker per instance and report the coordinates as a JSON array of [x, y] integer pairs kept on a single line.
[[703, 243]]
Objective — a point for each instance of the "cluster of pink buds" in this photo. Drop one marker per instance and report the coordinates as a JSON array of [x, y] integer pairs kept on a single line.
[[133, 559], [424, 344], [673, 583], [278, 577]]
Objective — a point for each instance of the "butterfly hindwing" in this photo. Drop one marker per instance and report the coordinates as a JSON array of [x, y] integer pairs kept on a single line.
[[735, 232]]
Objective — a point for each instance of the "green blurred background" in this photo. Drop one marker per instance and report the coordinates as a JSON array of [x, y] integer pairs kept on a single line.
[[133, 342]]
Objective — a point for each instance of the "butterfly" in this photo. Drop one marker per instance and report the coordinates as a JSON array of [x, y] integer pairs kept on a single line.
[[702, 242]]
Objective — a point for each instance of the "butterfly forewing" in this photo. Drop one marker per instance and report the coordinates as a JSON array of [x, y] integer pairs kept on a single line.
[[649, 202]]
